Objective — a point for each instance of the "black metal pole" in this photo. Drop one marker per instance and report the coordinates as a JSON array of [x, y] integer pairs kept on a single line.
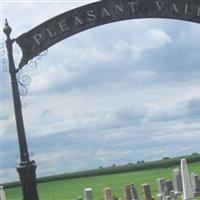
[[26, 168]]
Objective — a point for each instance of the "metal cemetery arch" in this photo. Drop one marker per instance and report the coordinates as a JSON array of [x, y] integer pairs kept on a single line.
[[67, 24], [103, 12]]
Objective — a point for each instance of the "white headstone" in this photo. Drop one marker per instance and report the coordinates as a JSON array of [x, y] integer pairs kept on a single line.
[[88, 194], [2, 193], [187, 186]]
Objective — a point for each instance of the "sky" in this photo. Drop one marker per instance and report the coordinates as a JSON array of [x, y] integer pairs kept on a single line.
[[114, 94]]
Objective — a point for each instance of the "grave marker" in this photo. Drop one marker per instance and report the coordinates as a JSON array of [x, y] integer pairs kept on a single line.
[[107, 193], [134, 195], [147, 191], [168, 187], [2, 193], [187, 186], [160, 185], [177, 180], [127, 192], [88, 194], [195, 184]]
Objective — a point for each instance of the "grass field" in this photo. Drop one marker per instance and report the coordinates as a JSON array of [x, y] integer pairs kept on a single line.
[[71, 188]]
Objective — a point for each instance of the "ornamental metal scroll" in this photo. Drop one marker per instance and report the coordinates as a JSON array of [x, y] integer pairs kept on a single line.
[[102, 12], [23, 79]]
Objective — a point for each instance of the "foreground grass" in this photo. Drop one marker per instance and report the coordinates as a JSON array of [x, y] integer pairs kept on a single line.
[[71, 188]]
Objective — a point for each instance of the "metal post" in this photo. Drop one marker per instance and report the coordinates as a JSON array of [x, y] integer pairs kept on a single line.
[[26, 168]]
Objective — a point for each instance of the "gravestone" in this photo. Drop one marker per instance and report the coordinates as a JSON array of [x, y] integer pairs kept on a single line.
[[147, 191], [2, 193], [134, 195], [168, 187], [195, 184], [177, 180], [187, 186], [130, 192], [127, 192], [107, 193], [88, 194], [160, 185]]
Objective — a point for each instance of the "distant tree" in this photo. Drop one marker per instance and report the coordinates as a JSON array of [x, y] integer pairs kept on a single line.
[[130, 164], [194, 154], [166, 158]]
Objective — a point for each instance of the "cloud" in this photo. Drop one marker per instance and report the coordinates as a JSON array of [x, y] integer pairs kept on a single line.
[[4, 117], [88, 70], [190, 109], [49, 117], [151, 39]]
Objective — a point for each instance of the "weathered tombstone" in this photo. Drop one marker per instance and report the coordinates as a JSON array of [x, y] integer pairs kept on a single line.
[[88, 194], [107, 193], [177, 180], [160, 185], [134, 195], [127, 192], [2, 193], [168, 187], [195, 184], [187, 186], [147, 191]]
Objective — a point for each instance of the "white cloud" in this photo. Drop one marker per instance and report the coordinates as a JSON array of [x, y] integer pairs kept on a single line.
[[152, 39], [109, 154]]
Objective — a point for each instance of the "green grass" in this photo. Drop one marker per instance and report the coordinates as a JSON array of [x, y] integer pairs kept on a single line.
[[71, 188]]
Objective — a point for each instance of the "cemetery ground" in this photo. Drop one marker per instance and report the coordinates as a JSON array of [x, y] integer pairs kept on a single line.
[[70, 189]]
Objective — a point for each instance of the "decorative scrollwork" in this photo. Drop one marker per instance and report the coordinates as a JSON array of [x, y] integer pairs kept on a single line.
[[44, 53], [4, 57], [32, 64], [23, 79]]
